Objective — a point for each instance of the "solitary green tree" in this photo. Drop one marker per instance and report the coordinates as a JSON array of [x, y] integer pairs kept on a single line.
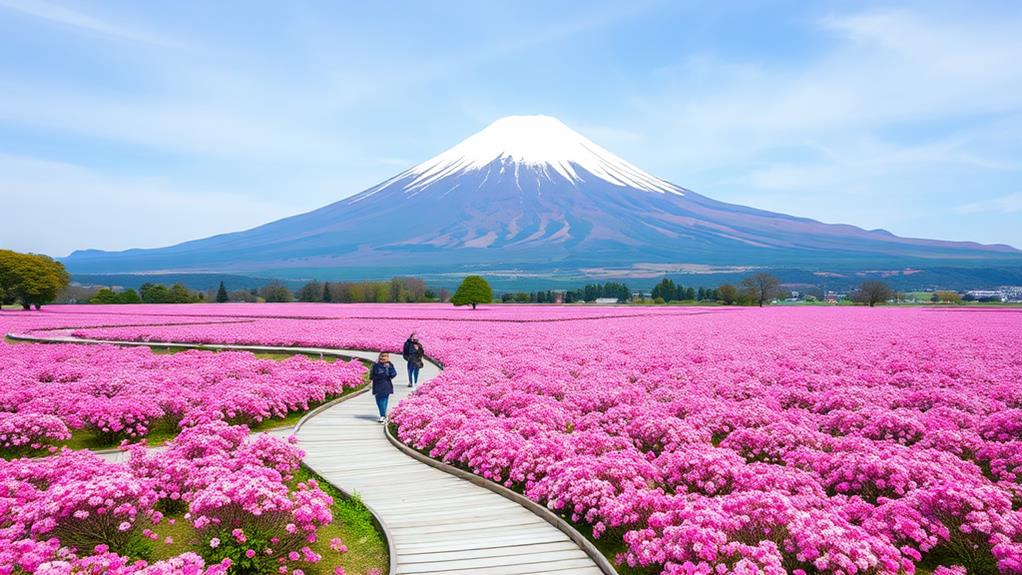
[[34, 279], [221, 294], [473, 291]]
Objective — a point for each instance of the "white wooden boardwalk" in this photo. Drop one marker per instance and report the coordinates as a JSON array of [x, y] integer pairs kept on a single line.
[[438, 523]]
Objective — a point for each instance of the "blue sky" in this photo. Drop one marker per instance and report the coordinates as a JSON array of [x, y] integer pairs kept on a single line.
[[140, 124]]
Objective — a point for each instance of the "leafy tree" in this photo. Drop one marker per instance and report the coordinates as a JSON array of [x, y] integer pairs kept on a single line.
[[158, 293], [327, 296], [221, 294], [665, 290], [872, 292], [690, 293], [243, 296], [473, 291], [761, 287], [104, 296], [520, 297], [154, 293], [948, 296], [275, 292], [728, 294], [312, 291], [129, 296], [179, 294], [34, 279]]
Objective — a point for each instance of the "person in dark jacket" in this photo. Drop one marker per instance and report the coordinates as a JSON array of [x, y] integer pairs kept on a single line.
[[413, 354], [382, 374]]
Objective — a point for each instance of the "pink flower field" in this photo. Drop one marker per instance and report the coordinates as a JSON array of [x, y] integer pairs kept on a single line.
[[121, 393], [685, 440]]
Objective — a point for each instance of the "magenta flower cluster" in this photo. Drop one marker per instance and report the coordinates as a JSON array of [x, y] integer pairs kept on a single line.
[[75, 512], [120, 393], [30, 431]]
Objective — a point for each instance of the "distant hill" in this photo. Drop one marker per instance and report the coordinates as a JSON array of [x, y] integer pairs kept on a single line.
[[530, 199]]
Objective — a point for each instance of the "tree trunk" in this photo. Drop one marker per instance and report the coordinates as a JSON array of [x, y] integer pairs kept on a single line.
[[473, 306]]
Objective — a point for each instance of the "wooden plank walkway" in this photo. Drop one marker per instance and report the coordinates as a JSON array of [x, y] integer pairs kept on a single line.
[[438, 523]]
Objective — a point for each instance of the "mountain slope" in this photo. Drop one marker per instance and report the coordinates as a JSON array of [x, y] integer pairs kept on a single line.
[[530, 193]]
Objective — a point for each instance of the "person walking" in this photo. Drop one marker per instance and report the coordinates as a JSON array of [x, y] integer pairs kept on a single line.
[[382, 374], [413, 354]]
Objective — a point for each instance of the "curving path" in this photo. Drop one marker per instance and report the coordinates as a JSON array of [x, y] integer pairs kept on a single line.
[[435, 522]]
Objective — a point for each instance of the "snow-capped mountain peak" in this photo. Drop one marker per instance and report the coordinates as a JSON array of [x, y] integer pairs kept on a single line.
[[542, 143]]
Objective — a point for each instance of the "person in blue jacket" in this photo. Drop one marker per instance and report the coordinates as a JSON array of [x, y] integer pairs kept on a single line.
[[382, 374], [413, 354]]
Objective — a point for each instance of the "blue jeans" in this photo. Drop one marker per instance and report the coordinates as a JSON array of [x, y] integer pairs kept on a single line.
[[413, 373], [381, 403]]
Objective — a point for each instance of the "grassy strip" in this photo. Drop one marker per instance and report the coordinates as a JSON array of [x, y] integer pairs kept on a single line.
[[353, 523]]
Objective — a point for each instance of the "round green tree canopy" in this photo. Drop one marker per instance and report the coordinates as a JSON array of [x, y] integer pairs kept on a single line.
[[473, 291]]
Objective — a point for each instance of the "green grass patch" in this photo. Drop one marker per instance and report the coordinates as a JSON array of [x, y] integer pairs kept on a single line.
[[353, 523], [274, 355]]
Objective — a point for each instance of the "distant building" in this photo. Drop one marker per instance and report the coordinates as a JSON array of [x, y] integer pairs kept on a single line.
[[605, 300], [986, 294], [1012, 293]]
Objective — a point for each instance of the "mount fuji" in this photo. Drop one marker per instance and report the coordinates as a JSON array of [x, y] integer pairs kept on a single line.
[[529, 195]]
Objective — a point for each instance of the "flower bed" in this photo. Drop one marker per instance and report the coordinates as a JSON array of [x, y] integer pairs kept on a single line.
[[75, 512], [113, 393]]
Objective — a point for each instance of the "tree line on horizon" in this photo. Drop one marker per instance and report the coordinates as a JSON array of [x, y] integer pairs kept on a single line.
[[33, 280]]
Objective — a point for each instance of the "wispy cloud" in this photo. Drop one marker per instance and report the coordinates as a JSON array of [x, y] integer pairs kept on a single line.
[[884, 69], [869, 129], [63, 16], [1007, 204]]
